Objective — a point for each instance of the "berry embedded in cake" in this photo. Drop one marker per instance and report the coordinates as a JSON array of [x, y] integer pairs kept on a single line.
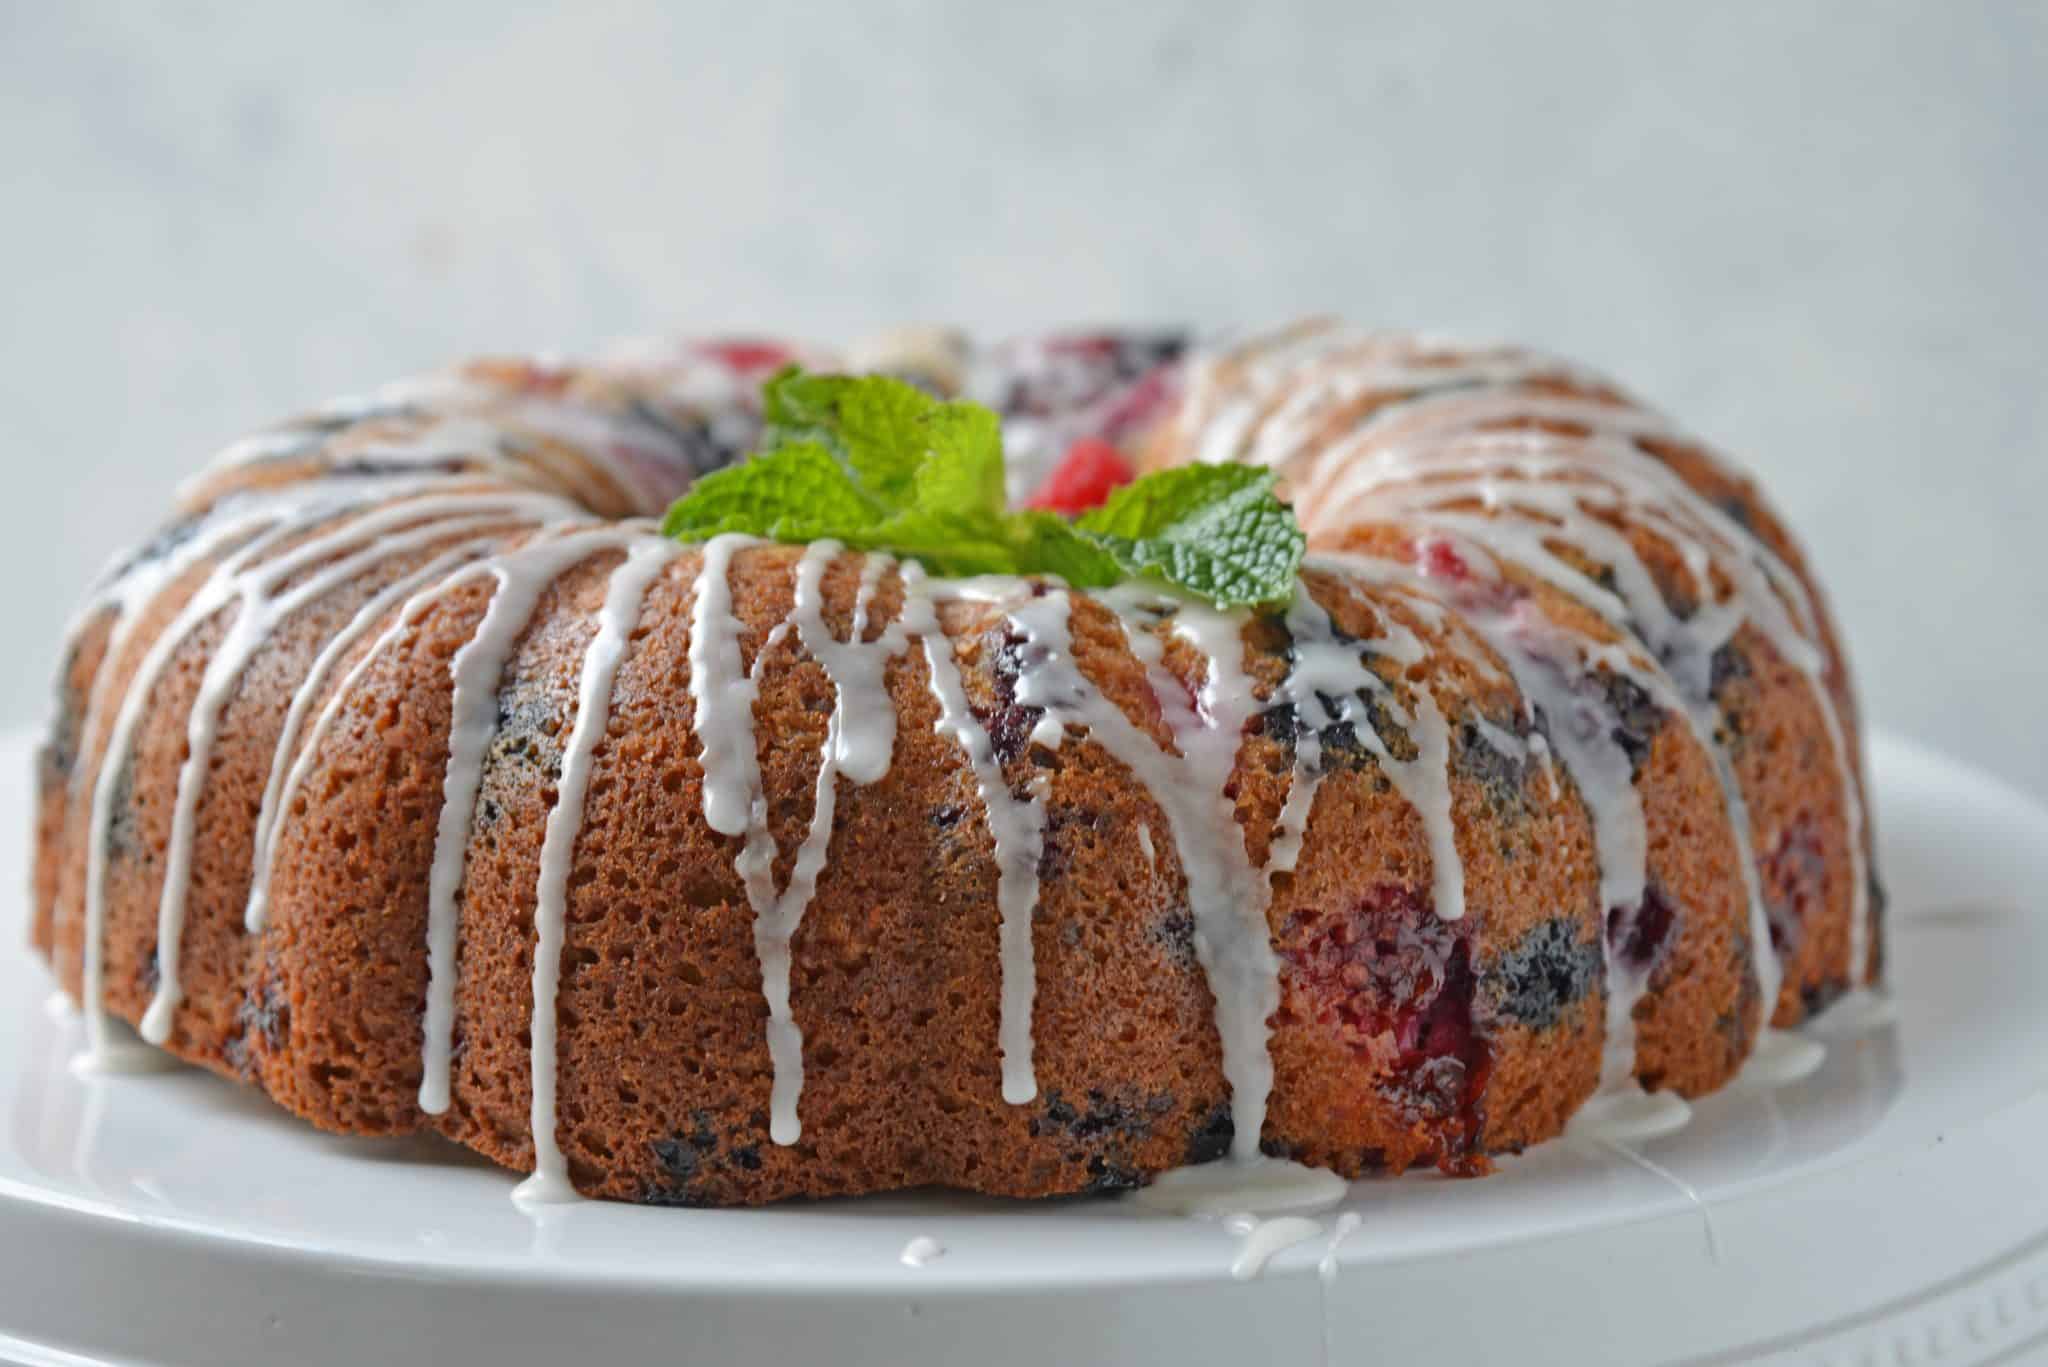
[[698, 777]]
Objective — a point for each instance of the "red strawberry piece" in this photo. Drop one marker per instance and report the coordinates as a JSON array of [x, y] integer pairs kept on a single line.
[[1440, 560], [747, 356], [1083, 479]]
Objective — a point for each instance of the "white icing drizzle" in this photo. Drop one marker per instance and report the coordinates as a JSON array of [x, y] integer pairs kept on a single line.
[[921, 1251], [1435, 446], [260, 608], [243, 531], [1228, 897], [1699, 716], [593, 446], [433, 587], [1260, 1185], [723, 695], [1324, 686], [1551, 669], [1241, 1194], [104, 1053], [1618, 1148], [1261, 1239], [1327, 1266], [523, 576], [1782, 1058], [1016, 825], [1624, 1113], [859, 741], [630, 583], [303, 697], [1862, 1012]]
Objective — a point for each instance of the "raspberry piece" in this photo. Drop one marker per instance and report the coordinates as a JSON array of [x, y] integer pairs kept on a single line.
[[1440, 560], [749, 356], [1083, 479]]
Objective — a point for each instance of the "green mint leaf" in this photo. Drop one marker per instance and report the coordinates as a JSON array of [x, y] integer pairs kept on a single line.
[[904, 448], [1217, 531], [880, 465], [963, 473], [799, 492], [797, 407], [946, 544], [1049, 544]]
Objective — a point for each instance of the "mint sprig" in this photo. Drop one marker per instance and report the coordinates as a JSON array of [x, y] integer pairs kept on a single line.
[[880, 465]]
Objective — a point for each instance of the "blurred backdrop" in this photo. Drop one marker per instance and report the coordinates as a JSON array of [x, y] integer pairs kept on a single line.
[[1814, 232]]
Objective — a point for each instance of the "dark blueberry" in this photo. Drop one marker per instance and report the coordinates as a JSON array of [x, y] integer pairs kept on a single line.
[[747, 1157], [1390, 732], [1105, 1176], [677, 1159], [1063, 374], [1636, 719], [1794, 874], [1641, 934], [947, 815], [1737, 507], [167, 540], [1502, 775], [123, 836], [705, 445], [1212, 1139], [527, 716], [1052, 858], [1545, 971], [315, 426], [1057, 1111], [683, 1156], [1175, 934], [1010, 723], [1281, 724], [60, 752], [1818, 997], [265, 1013], [1342, 747], [1730, 665], [1733, 1025], [1103, 1116], [367, 467]]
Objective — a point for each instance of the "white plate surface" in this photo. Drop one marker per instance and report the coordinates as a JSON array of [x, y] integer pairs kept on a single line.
[[178, 1218]]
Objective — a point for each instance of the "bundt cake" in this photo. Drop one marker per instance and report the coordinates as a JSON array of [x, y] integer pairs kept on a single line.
[[414, 777]]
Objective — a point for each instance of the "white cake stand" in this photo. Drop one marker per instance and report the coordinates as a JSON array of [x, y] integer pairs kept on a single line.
[[1890, 1207]]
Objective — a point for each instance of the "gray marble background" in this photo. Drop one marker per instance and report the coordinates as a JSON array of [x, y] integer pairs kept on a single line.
[[1817, 233]]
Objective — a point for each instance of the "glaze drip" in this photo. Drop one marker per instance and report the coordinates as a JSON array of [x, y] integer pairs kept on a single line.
[[644, 563]]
